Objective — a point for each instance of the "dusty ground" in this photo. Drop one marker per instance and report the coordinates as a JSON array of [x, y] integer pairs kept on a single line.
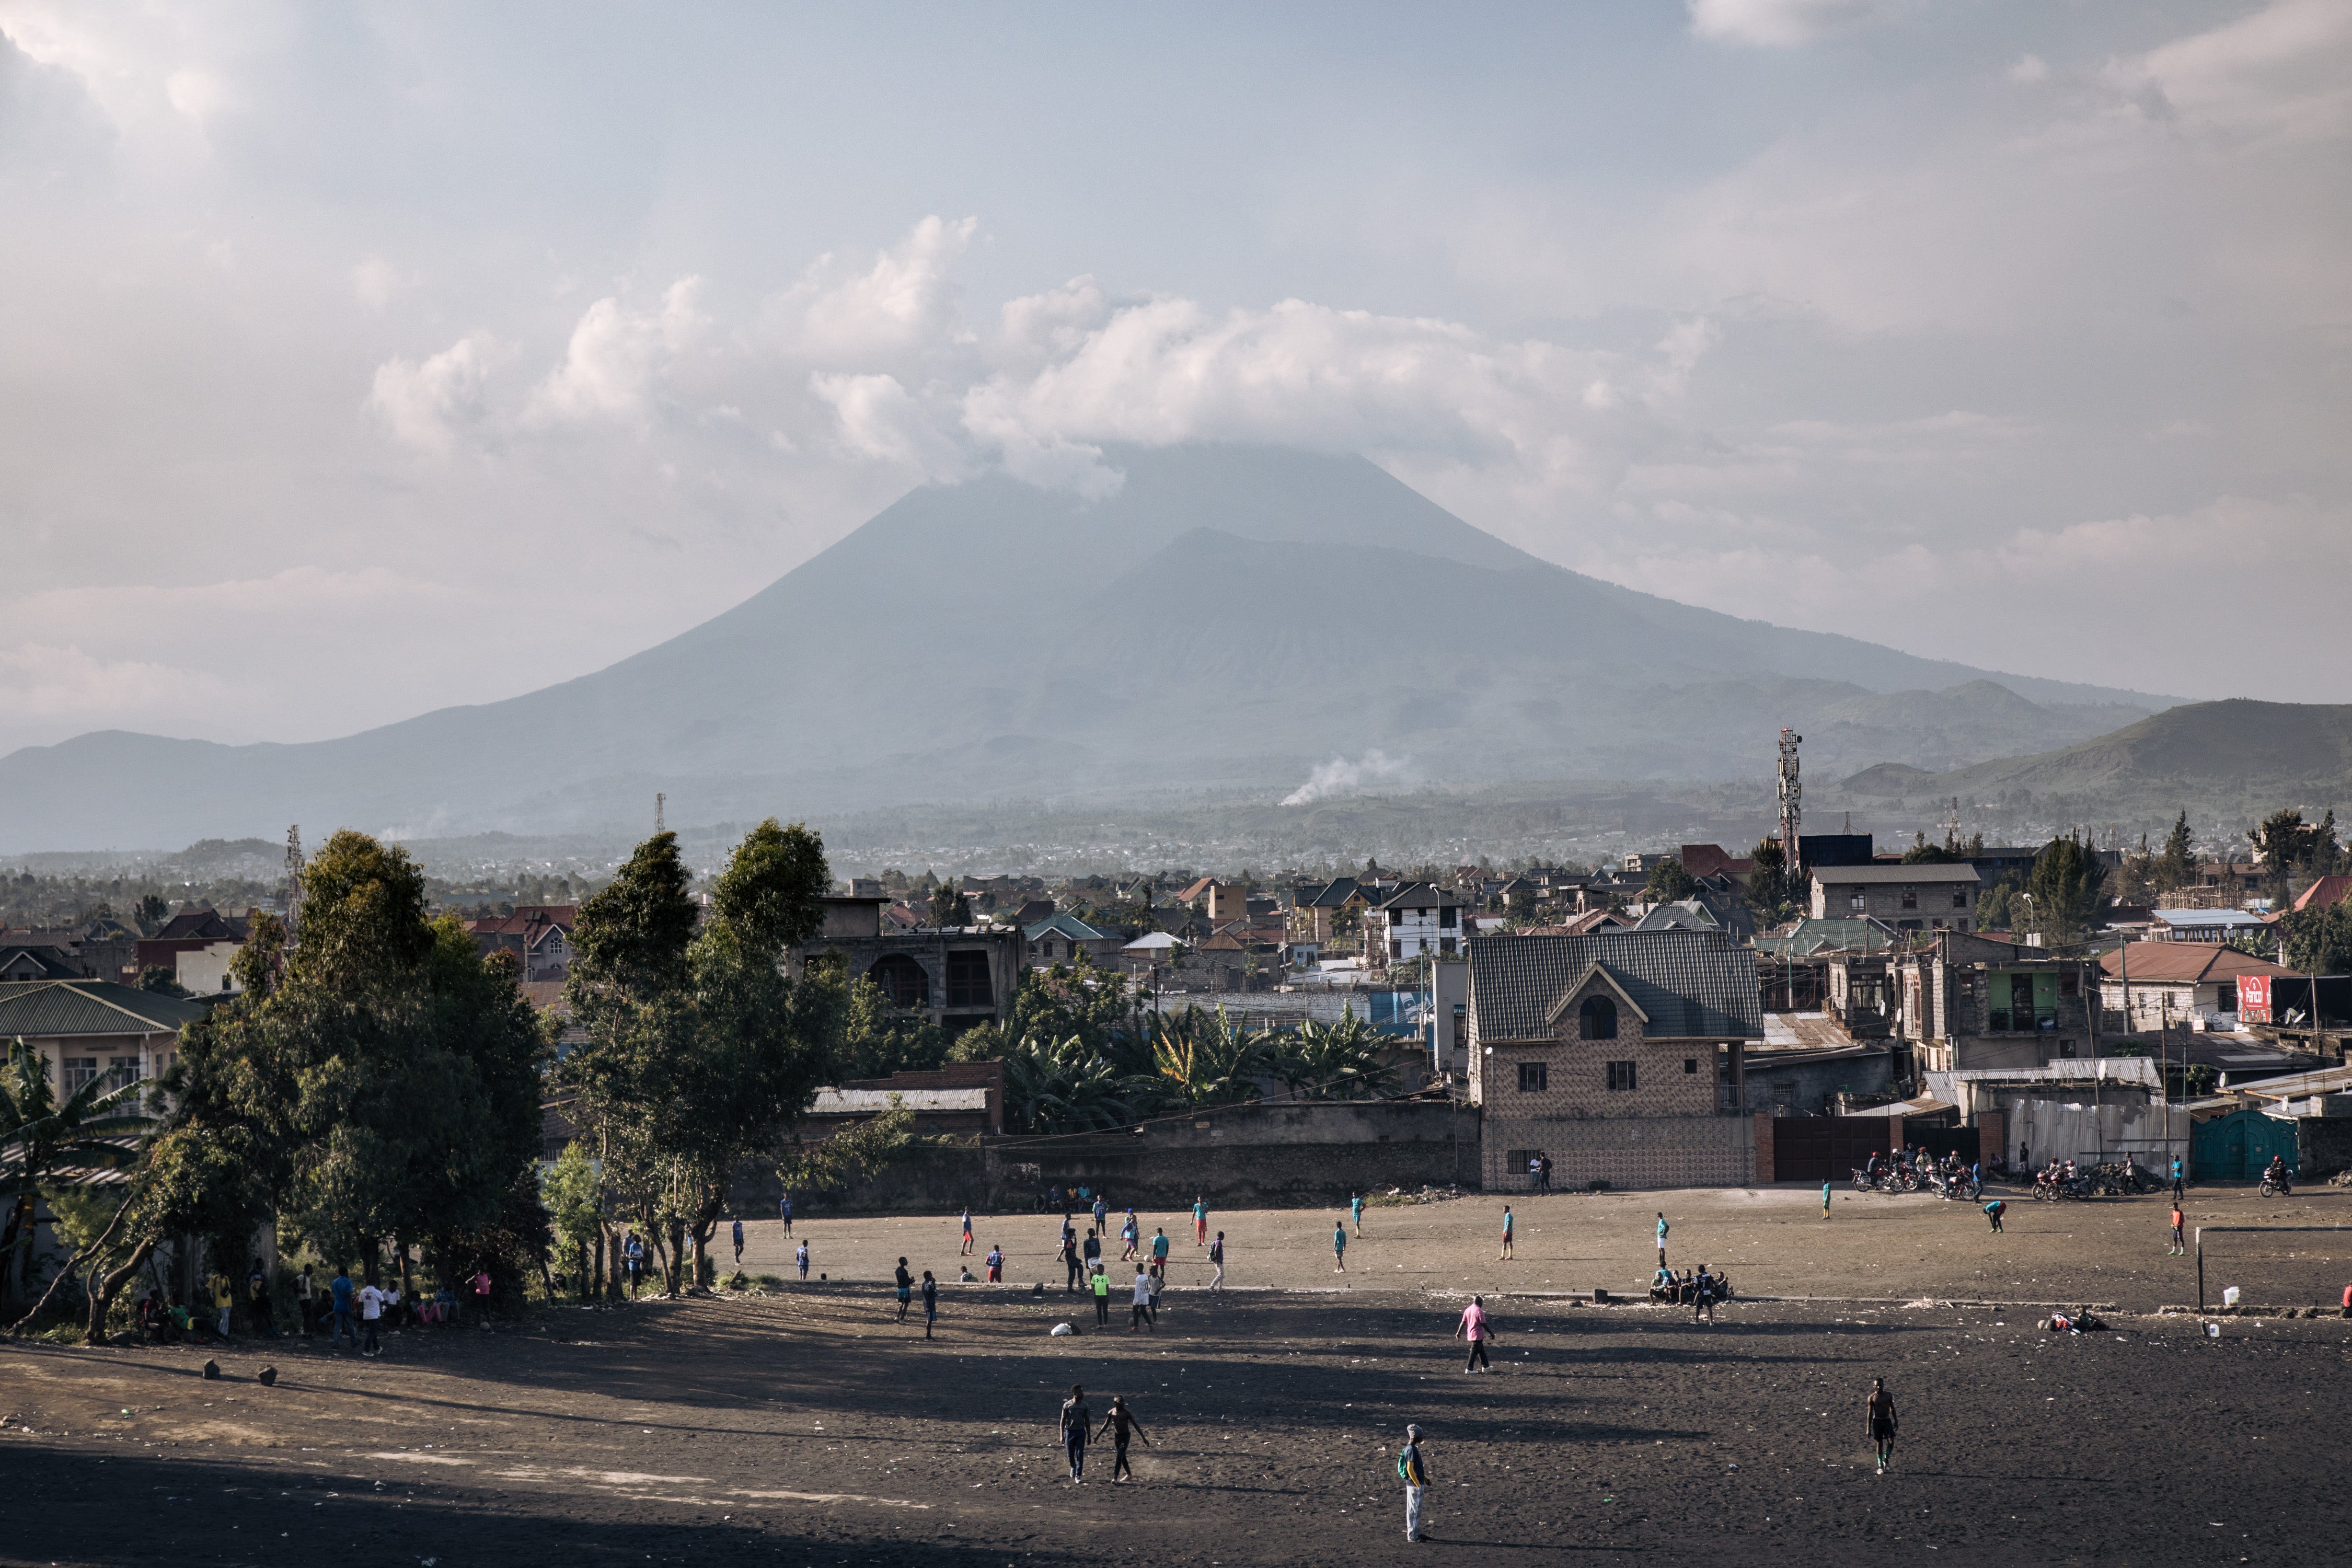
[[810, 1428]]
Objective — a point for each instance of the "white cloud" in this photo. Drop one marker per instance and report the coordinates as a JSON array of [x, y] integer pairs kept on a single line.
[[904, 299], [52, 681], [2282, 74], [1774, 24], [2028, 69], [614, 367], [376, 283], [428, 405]]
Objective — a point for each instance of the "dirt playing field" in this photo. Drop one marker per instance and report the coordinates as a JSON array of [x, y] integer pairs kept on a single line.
[[808, 1426]]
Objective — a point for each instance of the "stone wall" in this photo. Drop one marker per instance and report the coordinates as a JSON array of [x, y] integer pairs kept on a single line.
[[1623, 1151]]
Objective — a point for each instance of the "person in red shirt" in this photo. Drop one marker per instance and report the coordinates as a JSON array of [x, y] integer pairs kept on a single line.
[[2180, 1247]]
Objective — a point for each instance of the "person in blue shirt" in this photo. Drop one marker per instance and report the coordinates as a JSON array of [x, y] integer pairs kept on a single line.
[[1340, 1248], [1825, 1206], [1200, 1222], [2176, 1179], [341, 1297], [1413, 1471], [1160, 1251], [1505, 1253], [1662, 1238], [739, 1242], [966, 1232], [785, 1213], [1356, 1211]]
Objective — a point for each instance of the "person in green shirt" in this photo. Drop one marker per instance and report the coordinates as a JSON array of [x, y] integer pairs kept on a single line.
[[1356, 1211], [1101, 1285]]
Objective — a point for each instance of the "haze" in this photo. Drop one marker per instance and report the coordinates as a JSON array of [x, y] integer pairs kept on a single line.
[[364, 360]]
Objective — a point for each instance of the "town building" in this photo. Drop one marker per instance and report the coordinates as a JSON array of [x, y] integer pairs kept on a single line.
[[956, 976], [83, 1029], [1959, 1002], [2153, 986], [1065, 939], [539, 936], [1922, 897], [1416, 921], [1618, 1055]]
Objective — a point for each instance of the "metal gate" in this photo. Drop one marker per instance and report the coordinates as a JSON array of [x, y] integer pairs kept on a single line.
[[1825, 1147], [2236, 1147]]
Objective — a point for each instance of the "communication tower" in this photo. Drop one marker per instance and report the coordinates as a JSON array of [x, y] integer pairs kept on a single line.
[[293, 877], [1791, 802]]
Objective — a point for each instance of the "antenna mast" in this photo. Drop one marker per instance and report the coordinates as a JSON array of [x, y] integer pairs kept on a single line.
[[659, 800], [1791, 802]]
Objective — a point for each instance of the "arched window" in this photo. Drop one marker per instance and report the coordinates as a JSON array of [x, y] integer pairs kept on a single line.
[[902, 979], [1597, 1019]]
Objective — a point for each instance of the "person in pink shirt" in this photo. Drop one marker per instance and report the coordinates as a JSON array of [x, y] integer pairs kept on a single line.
[[1473, 1328]]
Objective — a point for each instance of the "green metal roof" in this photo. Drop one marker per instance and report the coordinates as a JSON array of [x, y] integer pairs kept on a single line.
[[68, 1007]]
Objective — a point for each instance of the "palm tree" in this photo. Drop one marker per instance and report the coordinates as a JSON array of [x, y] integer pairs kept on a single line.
[[1346, 1061], [40, 1135], [1205, 1060], [1059, 1086]]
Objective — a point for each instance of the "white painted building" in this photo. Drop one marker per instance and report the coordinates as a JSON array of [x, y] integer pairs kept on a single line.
[[1414, 921]]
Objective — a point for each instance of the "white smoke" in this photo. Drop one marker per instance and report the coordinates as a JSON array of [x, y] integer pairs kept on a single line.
[[1340, 777]]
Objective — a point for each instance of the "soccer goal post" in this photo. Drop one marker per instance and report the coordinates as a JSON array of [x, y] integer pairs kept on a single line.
[[2260, 1230]]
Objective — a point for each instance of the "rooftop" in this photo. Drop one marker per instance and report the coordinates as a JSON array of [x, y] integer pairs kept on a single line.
[[2183, 963], [1689, 985], [69, 1007], [1920, 874]]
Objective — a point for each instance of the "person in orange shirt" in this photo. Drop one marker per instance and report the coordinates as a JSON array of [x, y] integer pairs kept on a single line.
[[2180, 1246]]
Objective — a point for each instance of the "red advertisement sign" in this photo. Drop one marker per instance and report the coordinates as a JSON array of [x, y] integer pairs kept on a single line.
[[2254, 998]]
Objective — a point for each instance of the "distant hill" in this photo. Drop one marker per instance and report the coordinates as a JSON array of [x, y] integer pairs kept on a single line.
[[2237, 757], [1231, 617]]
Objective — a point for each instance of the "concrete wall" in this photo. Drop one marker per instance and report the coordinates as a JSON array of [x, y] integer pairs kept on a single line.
[[2323, 1146], [1623, 1151], [1235, 1156]]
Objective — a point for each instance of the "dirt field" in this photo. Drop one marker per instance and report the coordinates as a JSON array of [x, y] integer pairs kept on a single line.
[[809, 1427]]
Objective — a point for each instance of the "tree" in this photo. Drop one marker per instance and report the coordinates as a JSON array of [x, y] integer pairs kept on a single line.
[[152, 910], [1997, 907], [42, 1133], [1093, 1004], [159, 981], [1771, 891], [699, 1050], [1923, 853], [2135, 884], [2176, 865], [1668, 881], [1061, 1086], [949, 907], [573, 1194], [1346, 1061], [877, 1039], [2318, 941], [2066, 892], [1205, 1058]]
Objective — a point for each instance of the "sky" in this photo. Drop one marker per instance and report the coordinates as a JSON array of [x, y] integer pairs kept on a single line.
[[359, 359]]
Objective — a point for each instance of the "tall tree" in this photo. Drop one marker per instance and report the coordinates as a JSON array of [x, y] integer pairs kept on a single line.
[[2176, 864], [1667, 881], [2066, 892], [41, 1131], [1771, 892], [949, 907]]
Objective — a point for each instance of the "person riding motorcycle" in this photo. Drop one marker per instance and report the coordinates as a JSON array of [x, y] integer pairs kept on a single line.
[[2275, 1176]]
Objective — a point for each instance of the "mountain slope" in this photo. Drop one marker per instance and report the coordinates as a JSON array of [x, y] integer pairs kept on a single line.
[[1230, 615]]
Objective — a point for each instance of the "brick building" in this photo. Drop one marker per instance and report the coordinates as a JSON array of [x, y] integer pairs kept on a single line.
[[1909, 898], [1617, 1054]]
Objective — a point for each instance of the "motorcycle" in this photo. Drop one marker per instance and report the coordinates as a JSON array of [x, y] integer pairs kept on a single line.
[[2277, 1186]]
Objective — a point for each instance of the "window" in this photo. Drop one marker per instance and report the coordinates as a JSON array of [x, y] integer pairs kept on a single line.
[[80, 1071], [1858, 903], [2069, 982], [1621, 1075], [1047, 949], [1535, 1077], [1959, 898], [1396, 948], [1597, 1019], [902, 979], [967, 983], [1448, 917], [1910, 897], [1690, 1063], [120, 1071]]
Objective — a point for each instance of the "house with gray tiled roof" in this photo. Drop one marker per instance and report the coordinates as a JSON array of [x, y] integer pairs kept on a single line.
[[1617, 1054], [1062, 938], [83, 1029]]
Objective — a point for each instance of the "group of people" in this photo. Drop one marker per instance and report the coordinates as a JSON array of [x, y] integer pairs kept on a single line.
[[1698, 1289], [341, 1307], [1916, 1168]]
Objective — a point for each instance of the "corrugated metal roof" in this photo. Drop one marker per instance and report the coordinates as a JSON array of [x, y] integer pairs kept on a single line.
[[66, 1007], [1069, 926], [1692, 985], [874, 1101]]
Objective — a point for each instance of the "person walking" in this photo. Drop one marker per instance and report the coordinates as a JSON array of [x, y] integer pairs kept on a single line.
[[1099, 1282], [340, 1295], [1825, 1204], [1102, 1214], [1473, 1328], [1878, 1418], [1340, 1249], [1703, 1300], [906, 1285], [1546, 1172], [930, 1302], [1139, 1313], [2176, 1193], [1070, 1261], [1217, 1262], [371, 1314], [800, 1255], [635, 1252], [257, 1290], [966, 1232], [1130, 1234], [1993, 1211], [1122, 1423], [995, 1264], [1200, 1221], [1076, 1419], [1160, 1251], [1505, 1253], [2179, 1242], [785, 1213], [1151, 1307], [1412, 1469], [305, 1299], [1356, 1211], [739, 1243], [1662, 1227]]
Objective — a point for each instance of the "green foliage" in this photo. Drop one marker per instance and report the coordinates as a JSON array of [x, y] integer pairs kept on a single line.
[[1079, 1000], [42, 1133], [2318, 941], [1773, 893], [1205, 1058], [631, 939], [1668, 881], [877, 1039], [2289, 846], [949, 907], [158, 980], [2176, 865], [1346, 1061], [1062, 1086], [1923, 853], [856, 1153], [769, 891], [574, 1195], [153, 909], [2066, 892], [1997, 908]]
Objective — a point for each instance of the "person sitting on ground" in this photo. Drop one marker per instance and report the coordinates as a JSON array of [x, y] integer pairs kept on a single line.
[[1662, 1285]]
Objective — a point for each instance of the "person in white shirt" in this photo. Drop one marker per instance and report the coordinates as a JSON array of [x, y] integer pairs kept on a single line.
[[1140, 1313], [370, 1311]]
